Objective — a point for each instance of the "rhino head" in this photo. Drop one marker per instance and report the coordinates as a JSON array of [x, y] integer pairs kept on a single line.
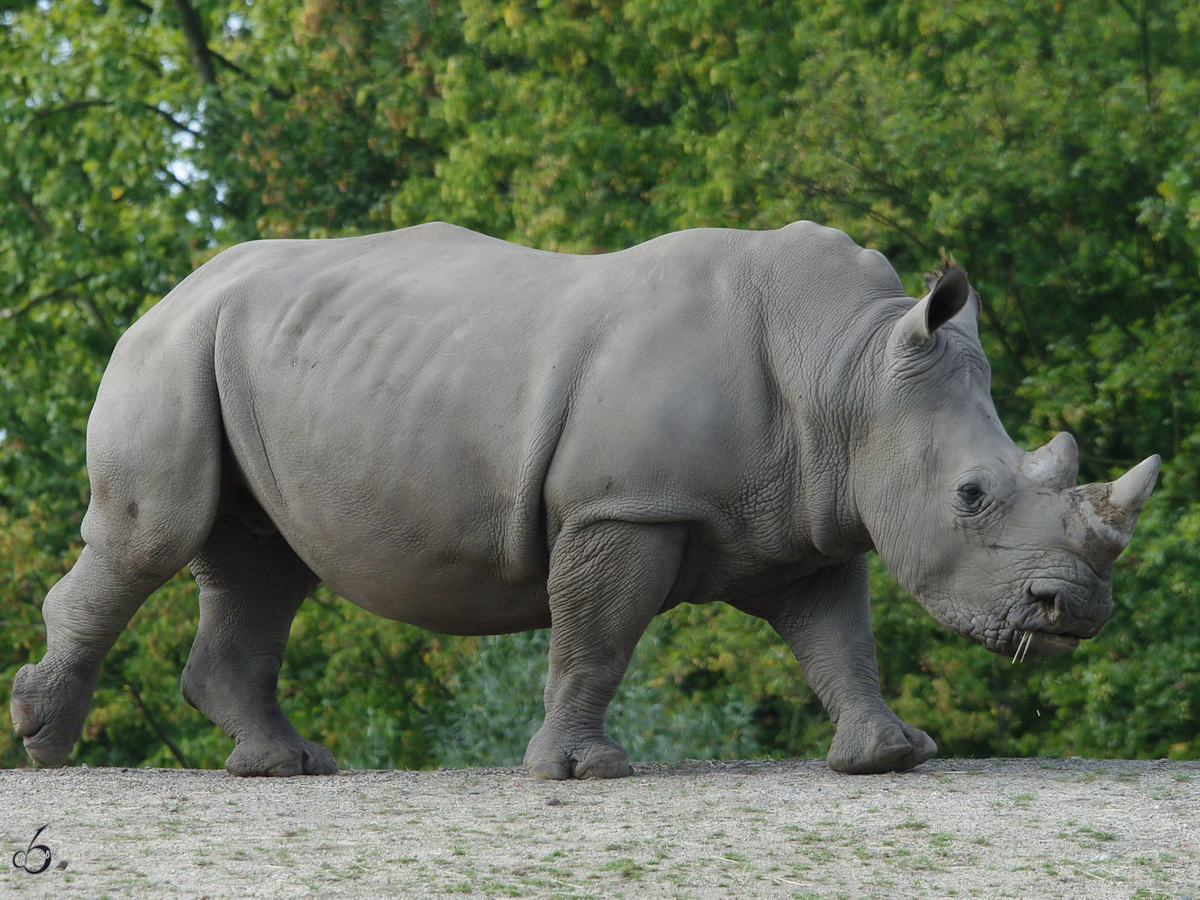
[[998, 544]]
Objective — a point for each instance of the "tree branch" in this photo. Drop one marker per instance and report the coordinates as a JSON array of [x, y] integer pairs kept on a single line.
[[46, 112], [842, 199], [193, 33], [35, 215], [193, 30], [46, 297], [276, 93], [1141, 18], [159, 730], [72, 105], [997, 329], [93, 312], [170, 118]]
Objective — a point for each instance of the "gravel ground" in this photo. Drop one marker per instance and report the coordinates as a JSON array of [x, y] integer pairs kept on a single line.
[[953, 828]]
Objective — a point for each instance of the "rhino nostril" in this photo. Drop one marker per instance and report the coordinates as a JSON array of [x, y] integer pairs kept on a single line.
[[1047, 601]]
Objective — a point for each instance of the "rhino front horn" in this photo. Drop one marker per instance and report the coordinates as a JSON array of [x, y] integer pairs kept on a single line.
[[1110, 511], [1131, 490]]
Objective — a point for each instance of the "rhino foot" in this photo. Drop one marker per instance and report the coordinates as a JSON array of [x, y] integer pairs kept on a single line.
[[879, 744], [280, 758], [549, 759], [49, 706]]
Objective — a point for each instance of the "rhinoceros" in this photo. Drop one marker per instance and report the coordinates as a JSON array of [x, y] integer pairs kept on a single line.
[[477, 438]]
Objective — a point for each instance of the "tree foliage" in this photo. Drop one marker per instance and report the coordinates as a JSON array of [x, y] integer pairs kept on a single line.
[[1050, 148]]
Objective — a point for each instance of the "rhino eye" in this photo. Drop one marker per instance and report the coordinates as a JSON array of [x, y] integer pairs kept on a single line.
[[971, 496]]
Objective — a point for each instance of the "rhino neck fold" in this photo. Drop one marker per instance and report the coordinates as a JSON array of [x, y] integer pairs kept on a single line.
[[825, 514], [826, 383]]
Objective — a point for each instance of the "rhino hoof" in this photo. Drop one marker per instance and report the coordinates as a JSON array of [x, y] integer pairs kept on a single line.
[[47, 754], [610, 765], [548, 769], [279, 759], [48, 713], [600, 758], [878, 746], [560, 770]]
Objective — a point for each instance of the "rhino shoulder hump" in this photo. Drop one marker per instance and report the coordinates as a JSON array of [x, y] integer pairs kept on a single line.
[[836, 252]]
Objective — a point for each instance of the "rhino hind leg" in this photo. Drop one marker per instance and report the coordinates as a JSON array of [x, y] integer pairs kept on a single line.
[[85, 613], [251, 586], [153, 464], [827, 622], [607, 581]]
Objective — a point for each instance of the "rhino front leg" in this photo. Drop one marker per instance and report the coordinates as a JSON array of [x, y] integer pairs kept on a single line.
[[607, 581], [250, 589], [826, 620]]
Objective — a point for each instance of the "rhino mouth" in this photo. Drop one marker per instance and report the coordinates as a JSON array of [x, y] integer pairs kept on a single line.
[[1042, 643], [1050, 619]]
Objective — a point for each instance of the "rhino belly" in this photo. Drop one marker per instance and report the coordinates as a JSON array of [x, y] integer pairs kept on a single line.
[[404, 464], [409, 527]]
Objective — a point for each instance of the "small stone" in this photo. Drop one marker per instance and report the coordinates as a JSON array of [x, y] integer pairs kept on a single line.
[[553, 801]]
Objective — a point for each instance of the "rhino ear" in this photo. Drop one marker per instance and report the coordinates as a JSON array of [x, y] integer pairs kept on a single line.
[[945, 300]]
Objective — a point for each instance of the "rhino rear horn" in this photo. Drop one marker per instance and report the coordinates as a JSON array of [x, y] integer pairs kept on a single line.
[[1054, 466], [947, 299]]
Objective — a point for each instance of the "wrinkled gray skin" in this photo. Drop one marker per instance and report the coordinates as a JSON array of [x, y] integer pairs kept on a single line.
[[477, 438]]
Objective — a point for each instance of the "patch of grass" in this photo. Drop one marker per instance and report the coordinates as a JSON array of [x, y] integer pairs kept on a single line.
[[626, 868], [807, 837], [1087, 831], [819, 854], [922, 863]]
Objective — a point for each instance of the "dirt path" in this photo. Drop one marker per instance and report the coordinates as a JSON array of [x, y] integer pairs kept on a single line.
[[966, 828]]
